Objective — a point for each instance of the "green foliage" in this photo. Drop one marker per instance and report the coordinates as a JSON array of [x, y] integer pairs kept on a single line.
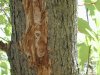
[[5, 35], [83, 26], [83, 53], [4, 64], [98, 5], [90, 7], [90, 28], [98, 67], [5, 26], [8, 30], [2, 19]]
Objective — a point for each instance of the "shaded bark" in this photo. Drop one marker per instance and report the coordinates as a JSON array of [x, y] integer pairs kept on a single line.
[[62, 30], [55, 51], [18, 60]]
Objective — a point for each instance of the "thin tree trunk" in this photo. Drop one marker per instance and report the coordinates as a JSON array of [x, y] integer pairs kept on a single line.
[[43, 37]]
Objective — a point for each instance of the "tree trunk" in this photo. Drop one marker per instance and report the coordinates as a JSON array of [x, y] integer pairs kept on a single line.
[[62, 30], [43, 37]]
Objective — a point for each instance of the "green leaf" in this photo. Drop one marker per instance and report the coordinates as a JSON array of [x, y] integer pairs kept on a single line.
[[90, 6], [97, 4], [3, 65], [8, 30], [83, 26], [83, 53], [92, 34], [2, 19], [98, 67], [2, 2], [97, 19]]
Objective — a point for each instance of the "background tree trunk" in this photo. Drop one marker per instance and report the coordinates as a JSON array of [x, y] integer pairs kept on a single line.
[[61, 31]]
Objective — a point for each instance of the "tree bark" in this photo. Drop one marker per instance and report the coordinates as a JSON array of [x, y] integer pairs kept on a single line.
[[62, 32], [43, 37]]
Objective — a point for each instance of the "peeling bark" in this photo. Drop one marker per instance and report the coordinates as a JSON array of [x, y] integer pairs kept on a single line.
[[34, 40]]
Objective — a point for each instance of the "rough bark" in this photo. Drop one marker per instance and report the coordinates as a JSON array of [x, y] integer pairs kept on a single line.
[[62, 32], [41, 47]]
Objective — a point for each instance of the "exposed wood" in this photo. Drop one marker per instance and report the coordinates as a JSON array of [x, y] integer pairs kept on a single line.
[[34, 40]]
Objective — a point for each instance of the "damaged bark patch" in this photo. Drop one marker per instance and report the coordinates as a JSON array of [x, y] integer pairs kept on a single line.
[[34, 40]]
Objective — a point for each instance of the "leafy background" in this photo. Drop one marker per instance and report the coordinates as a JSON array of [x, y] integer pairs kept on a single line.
[[5, 35], [88, 37]]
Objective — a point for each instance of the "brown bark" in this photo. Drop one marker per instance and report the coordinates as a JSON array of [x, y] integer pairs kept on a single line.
[[4, 46], [36, 31], [43, 37]]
